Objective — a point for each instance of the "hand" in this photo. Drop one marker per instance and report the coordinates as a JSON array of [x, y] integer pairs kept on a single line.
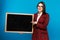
[[21, 33], [34, 22]]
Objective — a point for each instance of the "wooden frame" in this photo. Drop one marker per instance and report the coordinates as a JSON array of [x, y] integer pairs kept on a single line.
[[6, 23]]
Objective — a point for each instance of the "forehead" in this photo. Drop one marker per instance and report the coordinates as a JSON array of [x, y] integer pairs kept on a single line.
[[40, 4]]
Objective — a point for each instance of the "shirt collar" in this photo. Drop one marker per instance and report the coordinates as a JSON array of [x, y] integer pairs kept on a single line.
[[40, 13]]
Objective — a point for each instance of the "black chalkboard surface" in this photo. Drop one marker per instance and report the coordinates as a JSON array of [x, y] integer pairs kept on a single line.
[[19, 23]]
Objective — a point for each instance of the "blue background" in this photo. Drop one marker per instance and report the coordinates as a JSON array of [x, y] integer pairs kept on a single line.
[[29, 6]]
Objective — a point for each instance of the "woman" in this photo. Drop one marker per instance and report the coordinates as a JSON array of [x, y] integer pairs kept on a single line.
[[40, 23]]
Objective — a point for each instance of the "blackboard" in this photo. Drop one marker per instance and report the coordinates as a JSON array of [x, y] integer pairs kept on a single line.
[[19, 23]]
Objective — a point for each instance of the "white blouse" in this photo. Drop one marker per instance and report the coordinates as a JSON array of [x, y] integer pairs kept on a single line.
[[38, 16]]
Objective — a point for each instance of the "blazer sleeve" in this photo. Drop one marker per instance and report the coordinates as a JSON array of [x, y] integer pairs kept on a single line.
[[44, 24]]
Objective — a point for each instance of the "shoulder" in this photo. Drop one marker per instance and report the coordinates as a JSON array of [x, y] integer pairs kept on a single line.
[[35, 14], [46, 14]]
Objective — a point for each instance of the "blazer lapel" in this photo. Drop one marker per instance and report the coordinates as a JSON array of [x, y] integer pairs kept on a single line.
[[35, 17]]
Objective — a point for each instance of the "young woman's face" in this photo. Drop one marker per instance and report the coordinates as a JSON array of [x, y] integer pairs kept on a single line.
[[40, 7]]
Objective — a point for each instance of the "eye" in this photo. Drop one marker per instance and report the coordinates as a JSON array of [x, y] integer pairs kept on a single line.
[[40, 6]]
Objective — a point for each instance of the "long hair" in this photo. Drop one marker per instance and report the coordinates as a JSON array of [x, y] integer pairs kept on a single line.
[[44, 7]]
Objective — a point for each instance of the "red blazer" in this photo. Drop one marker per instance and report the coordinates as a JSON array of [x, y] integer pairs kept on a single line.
[[40, 29]]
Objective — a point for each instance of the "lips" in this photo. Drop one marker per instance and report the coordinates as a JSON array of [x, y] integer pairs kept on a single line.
[[39, 9]]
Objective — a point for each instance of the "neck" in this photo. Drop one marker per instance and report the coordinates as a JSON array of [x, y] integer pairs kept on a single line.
[[40, 12]]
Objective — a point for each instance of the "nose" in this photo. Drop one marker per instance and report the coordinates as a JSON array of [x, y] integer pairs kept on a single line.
[[39, 8]]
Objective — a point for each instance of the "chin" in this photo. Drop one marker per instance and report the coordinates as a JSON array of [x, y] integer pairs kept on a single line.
[[40, 11]]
